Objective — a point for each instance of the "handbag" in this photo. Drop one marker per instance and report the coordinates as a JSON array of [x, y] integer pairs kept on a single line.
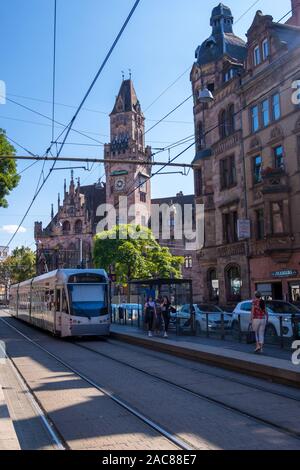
[[251, 337]]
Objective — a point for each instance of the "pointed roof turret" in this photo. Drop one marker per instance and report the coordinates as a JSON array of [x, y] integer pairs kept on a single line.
[[126, 100]]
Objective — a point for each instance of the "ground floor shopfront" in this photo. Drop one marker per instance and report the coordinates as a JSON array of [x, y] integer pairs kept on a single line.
[[276, 281]]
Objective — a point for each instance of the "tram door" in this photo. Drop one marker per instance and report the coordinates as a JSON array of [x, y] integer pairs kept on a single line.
[[61, 319], [65, 315]]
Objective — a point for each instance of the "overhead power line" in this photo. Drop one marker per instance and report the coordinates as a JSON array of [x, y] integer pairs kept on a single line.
[[68, 128], [94, 160]]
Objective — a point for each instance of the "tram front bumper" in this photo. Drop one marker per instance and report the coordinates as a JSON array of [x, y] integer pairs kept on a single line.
[[90, 330]]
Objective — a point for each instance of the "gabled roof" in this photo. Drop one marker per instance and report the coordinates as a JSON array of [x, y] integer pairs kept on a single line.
[[126, 100], [285, 34]]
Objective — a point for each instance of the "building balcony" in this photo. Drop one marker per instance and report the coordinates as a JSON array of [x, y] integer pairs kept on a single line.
[[275, 180], [278, 247], [228, 143]]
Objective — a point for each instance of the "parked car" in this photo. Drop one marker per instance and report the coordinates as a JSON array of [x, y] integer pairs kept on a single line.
[[202, 313], [276, 309]]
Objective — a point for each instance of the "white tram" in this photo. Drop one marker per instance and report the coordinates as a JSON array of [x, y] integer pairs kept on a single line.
[[67, 302]]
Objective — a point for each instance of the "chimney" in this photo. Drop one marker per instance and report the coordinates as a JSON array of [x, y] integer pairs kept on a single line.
[[295, 18]]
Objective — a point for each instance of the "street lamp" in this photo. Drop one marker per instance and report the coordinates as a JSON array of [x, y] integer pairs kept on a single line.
[[205, 96]]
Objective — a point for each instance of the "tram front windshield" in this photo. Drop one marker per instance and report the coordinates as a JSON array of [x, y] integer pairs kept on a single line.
[[88, 300]]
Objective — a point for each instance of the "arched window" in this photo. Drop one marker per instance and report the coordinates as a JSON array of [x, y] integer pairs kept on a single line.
[[230, 120], [233, 283], [72, 256], [188, 262], [66, 227], [78, 226], [213, 285], [222, 124]]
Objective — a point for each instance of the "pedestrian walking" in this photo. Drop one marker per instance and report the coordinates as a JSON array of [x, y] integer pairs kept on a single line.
[[150, 315], [259, 319], [159, 317], [166, 314]]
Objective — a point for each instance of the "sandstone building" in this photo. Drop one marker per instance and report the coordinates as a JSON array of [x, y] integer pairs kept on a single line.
[[67, 241], [247, 162]]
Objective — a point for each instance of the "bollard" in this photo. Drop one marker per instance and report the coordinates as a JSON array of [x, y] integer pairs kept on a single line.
[[222, 327], [281, 332]]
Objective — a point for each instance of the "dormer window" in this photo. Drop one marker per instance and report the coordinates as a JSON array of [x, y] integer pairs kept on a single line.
[[265, 49], [257, 56], [229, 74]]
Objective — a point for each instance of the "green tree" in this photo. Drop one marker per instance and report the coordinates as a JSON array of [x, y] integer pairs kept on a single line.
[[9, 177], [20, 265], [134, 253]]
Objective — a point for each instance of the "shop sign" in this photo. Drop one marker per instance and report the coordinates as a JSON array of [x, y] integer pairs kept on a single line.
[[244, 229], [285, 273]]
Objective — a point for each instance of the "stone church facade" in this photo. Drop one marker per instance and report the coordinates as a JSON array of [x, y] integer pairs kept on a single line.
[[67, 241]]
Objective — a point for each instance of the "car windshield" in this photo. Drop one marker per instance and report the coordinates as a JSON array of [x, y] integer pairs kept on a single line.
[[88, 300], [209, 308], [282, 307]]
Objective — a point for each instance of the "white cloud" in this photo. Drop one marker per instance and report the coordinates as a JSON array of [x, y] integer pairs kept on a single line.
[[12, 228]]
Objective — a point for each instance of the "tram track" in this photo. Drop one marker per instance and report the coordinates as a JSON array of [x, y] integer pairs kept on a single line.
[[231, 379], [179, 443], [202, 396]]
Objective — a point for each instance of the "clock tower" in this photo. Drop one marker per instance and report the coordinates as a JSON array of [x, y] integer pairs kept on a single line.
[[126, 172]]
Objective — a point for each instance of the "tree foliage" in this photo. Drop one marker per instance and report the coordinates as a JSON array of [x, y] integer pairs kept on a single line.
[[133, 253], [20, 265], [9, 177]]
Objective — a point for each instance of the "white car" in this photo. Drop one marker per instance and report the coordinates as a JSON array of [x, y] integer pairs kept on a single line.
[[206, 315], [276, 309]]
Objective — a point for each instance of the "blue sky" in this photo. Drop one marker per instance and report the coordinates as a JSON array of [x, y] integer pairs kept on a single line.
[[158, 46]]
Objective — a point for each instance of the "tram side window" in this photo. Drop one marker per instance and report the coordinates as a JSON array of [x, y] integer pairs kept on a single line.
[[49, 299]]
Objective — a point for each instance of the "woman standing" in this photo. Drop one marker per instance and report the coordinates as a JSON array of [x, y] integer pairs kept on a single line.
[[259, 319], [166, 313], [150, 315]]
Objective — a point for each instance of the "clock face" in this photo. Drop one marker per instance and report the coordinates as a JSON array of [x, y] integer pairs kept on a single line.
[[120, 184]]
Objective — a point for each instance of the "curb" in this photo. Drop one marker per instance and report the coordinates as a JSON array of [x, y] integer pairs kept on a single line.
[[8, 436], [263, 369]]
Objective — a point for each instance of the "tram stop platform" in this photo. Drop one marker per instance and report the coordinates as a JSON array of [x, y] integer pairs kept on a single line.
[[274, 364], [8, 436]]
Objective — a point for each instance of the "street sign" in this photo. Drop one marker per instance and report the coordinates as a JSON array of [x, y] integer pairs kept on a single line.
[[244, 229], [285, 273]]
